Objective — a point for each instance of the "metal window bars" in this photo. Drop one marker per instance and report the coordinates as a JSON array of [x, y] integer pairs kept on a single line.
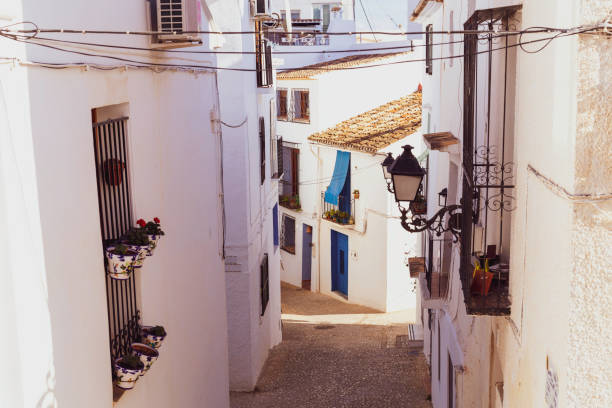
[[342, 213], [114, 202], [263, 58]]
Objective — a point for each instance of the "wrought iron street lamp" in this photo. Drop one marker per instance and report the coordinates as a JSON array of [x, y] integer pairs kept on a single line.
[[405, 182], [385, 166]]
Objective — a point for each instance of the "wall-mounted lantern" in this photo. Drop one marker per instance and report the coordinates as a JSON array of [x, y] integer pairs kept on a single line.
[[442, 197], [404, 177]]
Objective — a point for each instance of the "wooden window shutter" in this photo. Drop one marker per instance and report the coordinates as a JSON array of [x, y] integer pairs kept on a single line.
[[262, 148]]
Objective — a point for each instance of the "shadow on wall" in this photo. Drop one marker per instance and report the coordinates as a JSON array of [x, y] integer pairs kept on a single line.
[[47, 399]]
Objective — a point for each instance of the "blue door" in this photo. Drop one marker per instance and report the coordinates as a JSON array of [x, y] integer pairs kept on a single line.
[[306, 255], [339, 262]]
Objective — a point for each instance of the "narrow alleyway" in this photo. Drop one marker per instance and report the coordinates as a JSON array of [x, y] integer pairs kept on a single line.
[[336, 354]]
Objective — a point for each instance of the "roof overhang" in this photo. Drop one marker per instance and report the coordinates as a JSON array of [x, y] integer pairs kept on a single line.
[[441, 141], [424, 9]]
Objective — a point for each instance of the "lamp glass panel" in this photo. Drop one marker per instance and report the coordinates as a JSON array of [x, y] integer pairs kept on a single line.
[[386, 173], [406, 187]]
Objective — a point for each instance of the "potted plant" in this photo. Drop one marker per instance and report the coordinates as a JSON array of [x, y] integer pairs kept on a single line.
[[326, 215], [154, 232], [136, 240], [153, 335], [294, 202], [146, 354], [342, 217], [356, 194], [120, 261], [127, 370]]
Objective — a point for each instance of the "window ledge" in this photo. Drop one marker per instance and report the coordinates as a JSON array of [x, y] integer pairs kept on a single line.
[[303, 121]]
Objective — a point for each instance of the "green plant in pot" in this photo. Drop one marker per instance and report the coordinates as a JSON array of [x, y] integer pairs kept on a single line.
[[120, 261], [137, 240], [127, 370], [153, 230], [153, 335]]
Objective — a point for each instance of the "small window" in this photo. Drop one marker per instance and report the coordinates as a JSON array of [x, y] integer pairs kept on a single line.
[[262, 149], [429, 49], [275, 224], [289, 192], [281, 104], [300, 105], [173, 18], [288, 234], [264, 285]]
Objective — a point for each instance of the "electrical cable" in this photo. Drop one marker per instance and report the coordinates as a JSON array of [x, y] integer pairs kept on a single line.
[[367, 19], [124, 47], [207, 67], [235, 126]]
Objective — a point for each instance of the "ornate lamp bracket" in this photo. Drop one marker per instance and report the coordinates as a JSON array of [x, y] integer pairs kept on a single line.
[[437, 224]]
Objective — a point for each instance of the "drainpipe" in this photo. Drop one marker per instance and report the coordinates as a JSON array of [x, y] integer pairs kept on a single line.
[[318, 215]]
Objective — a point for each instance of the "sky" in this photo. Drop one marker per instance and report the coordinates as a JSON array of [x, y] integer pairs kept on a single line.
[[384, 15]]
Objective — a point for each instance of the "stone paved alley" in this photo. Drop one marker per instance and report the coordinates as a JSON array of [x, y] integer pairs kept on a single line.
[[336, 354]]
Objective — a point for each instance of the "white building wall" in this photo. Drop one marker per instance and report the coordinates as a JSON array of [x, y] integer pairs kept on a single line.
[[248, 211], [59, 298]]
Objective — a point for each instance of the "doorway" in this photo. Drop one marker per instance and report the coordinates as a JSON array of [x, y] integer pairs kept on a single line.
[[339, 262], [306, 255]]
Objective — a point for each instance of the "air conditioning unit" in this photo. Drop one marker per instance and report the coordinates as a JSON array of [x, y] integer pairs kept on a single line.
[[174, 17]]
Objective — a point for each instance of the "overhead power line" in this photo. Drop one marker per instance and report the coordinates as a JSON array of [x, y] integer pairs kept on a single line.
[[140, 64]]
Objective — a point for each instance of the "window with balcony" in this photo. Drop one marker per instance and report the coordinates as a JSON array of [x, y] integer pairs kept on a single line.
[[289, 191], [336, 201], [288, 234], [487, 187], [281, 104], [300, 105]]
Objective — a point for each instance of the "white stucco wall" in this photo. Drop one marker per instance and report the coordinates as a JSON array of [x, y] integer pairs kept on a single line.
[[59, 347], [249, 203]]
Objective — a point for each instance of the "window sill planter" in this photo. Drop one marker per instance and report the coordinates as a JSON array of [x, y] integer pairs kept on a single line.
[[153, 335], [120, 265], [147, 355], [127, 371]]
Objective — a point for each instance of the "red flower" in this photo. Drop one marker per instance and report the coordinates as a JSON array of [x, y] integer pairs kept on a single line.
[[156, 220], [141, 222]]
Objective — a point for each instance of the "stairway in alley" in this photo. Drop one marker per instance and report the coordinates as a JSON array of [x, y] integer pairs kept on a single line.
[[336, 354]]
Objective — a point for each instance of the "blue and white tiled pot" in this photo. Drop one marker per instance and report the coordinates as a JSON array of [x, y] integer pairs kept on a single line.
[[120, 266], [151, 339], [153, 239], [124, 377], [142, 254], [146, 354]]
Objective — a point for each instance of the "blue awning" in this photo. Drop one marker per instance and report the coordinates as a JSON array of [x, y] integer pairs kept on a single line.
[[339, 178]]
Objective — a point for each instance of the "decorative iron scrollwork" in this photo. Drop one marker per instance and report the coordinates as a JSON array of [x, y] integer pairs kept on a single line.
[[437, 224]]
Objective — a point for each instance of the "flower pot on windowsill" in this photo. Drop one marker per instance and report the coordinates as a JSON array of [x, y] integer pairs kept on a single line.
[[147, 355], [136, 240], [153, 335], [120, 261], [153, 231], [127, 370]]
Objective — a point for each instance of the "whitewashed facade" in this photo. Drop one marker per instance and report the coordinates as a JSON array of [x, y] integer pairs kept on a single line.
[[55, 342], [524, 343], [253, 324], [378, 277]]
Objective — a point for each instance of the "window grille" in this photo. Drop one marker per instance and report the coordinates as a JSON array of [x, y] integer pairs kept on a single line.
[[114, 202], [170, 15], [288, 234], [429, 49], [275, 225], [264, 286], [262, 149], [173, 18], [263, 55], [275, 145]]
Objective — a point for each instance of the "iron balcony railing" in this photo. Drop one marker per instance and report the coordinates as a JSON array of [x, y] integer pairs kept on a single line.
[[298, 39], [338, 213]]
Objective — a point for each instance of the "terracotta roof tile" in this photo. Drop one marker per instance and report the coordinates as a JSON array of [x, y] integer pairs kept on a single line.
[[309, 71], [377, 128]]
